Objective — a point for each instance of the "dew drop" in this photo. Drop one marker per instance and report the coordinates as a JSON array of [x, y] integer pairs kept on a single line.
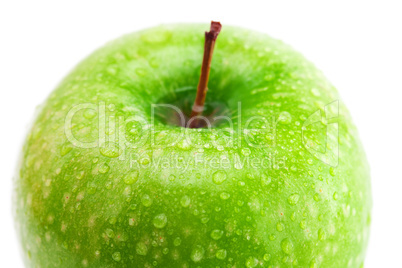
[[284, 118], [293, 199], [109, 233], [185, 201], [216, 234], [110, 150], [224, 196], [251, 262], [177, 242], [160, 221], [65, 149], [104, 168], [141, 249], [197, 254], [219, 177], [335, 196], [131, 177], [280, 226], [265, 180], [287, 246], [116, 256], [146, 200], [221, 254], [267, 257], [89, 113]]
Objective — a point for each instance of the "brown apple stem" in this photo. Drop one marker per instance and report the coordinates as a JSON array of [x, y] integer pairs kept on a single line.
[[198, 107]]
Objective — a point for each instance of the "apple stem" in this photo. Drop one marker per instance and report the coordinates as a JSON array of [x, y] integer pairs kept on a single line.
[[198, 107]]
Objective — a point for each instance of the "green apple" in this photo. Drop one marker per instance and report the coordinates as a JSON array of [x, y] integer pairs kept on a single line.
[[109, 178]]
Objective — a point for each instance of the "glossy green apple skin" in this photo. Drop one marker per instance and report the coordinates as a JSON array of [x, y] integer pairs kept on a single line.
[[92, 207]]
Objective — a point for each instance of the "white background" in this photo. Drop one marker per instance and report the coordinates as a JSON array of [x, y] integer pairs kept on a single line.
[[357, 44]]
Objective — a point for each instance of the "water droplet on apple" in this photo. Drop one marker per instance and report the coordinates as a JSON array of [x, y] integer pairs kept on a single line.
[[116, 256], [267, 257], [225, 196], [287, 246], [280, 226], [321, 234], [146, 200], [221, 254], [303, 224], [197, 254], [65, 149], [216, 234], [104, 168], [89, 113], [246, 151], [160, 221], [335, 196], [141, 248], [185, 201], [284, 118], [131, 177], [265, 180], [177, 242], [219, 177], [109, 233], [111, 150], [251, 262], [293, 199]]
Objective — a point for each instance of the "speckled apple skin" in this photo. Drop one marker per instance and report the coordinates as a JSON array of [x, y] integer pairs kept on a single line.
[[112, 205]]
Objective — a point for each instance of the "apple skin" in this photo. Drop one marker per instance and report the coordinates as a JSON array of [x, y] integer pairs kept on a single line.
[[107, 206]]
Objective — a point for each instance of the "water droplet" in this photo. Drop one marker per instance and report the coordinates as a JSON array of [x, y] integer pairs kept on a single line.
[[111, 150], [280, 227], [141, 249], [112, 220], [89, 113], [104, 168], [224, 196], [160, 221], [245, 151], [185, 201], [116, 256], [317, 197], [267, 257], [131, 177], [65, 149], [219, 177], [251, 262], [332, 171], [293, 199], [321, 234], [284, 118], [335, 196], [146, 200], [109, 233], [197, 254], [265, 180], [216, 234], [287, 246], [177, 242], [221, 254], [303, 224], [172, 177]]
